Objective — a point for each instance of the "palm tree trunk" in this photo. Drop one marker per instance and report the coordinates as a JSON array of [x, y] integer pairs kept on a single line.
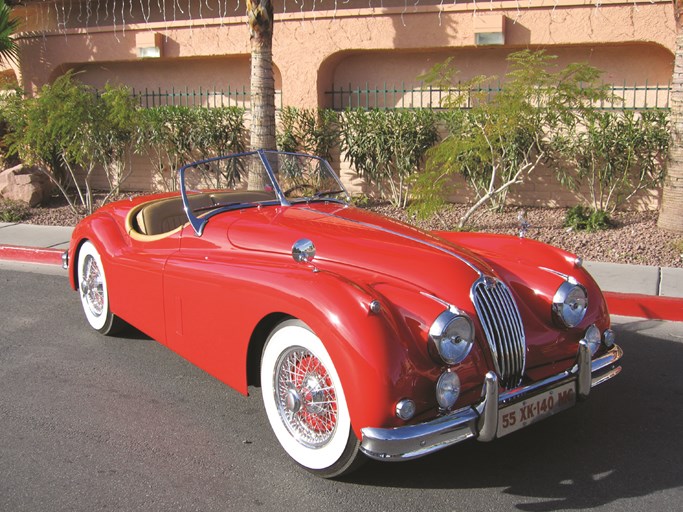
[[260, 15], [671, 209]]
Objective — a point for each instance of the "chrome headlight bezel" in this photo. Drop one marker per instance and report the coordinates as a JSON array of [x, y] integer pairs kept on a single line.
[[570, 303], [451, 337]]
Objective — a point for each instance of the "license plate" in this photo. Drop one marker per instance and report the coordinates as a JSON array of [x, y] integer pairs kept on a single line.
[[536, 408]]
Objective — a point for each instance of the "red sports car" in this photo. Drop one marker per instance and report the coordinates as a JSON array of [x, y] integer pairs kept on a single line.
[[368, 337]]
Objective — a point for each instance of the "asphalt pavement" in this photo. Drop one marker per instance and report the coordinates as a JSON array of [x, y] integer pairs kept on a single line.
[[631, 290], [93, 423]]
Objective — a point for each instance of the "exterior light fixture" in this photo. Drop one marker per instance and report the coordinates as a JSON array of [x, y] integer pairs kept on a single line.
[[489, 30], [148, 45]]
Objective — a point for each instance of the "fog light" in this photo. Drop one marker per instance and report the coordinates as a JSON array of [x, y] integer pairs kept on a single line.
[[592, 339], [405, 409], [609, 338], [447, 390]]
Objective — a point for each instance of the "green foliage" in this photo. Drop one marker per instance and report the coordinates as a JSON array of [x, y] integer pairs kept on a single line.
[[362, 201], [581, 218], [69, 130], [501, 140], [114, 141], [312, 131], [9, 51], [178, 135], [13, 211], [678, 246], [614, 155], [387, 147], [57, 131]]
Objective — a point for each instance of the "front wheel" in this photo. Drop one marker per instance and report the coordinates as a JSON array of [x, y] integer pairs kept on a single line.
[[305, 402], [92, 287]]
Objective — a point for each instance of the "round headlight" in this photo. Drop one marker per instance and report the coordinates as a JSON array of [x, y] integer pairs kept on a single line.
[[570, 303], [447, 390], [451, 336]]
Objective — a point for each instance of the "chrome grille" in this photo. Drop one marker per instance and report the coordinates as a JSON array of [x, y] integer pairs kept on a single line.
[[503, 328]]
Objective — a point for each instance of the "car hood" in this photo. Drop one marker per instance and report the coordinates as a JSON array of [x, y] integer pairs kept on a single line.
[[359, 239]]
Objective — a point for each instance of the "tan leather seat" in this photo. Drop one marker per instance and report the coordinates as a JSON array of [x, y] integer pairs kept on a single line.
[[165, 215]]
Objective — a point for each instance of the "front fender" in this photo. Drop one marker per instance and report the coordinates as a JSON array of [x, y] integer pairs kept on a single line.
[[101, 229]]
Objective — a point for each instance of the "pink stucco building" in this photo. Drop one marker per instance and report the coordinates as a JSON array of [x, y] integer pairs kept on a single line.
[[323, 45]]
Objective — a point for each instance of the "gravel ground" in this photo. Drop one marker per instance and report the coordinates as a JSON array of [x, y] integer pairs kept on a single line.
[[634, 238]]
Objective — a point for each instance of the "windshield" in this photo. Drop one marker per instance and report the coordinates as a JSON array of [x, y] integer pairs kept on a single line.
[[258, 178]]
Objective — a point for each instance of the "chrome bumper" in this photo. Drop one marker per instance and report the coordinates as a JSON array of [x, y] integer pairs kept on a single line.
[[481, 421]]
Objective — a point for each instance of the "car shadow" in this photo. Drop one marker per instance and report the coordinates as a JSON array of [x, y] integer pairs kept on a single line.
[[623, 442], [128, 332]]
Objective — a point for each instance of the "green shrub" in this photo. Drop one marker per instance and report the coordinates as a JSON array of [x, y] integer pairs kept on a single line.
[[13, 211], [582, 218], [387, 147], [613, 156]]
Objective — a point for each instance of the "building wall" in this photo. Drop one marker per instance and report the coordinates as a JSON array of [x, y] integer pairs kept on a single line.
[[352, 43]]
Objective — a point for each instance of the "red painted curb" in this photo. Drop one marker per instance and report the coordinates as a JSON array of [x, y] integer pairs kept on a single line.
[[645, 306], [31, 254]]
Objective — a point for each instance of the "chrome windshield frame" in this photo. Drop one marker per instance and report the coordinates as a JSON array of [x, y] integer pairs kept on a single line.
[[198, 223]]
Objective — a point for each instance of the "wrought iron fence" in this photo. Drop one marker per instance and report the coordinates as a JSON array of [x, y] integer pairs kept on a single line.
[[207, 98], [630, 97]]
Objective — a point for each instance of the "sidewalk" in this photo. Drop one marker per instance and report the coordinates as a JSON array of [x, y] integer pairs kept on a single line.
[[630, 290]]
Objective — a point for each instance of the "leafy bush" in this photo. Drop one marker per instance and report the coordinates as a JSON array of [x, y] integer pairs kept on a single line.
[[581, 218], [13, 211], [387, 147], [174, 136], [69, 130], [312, 131], [614, 155]]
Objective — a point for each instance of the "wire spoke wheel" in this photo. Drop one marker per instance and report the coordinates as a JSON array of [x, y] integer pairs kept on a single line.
[[92, 287], [305, 402], [306, 397]]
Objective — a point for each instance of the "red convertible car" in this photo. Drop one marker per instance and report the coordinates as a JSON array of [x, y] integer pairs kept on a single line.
[[368, 337]]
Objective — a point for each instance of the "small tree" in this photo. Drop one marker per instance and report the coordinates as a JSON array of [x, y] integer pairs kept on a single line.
[[501, 141], [57, 130]]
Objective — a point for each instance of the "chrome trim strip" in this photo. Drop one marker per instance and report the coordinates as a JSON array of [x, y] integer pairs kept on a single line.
[[401, 235], [481, 421]]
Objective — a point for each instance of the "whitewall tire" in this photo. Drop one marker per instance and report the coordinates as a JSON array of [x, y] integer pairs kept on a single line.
[[92, 288], [305, 403]]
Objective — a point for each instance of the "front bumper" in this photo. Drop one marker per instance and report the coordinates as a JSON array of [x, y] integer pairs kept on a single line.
[[481, 421]]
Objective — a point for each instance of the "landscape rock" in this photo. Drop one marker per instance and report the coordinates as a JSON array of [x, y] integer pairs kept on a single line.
[[27, 184]]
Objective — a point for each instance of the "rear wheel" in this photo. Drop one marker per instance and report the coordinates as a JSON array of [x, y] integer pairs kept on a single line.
[[305, 402], [92, 287]]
